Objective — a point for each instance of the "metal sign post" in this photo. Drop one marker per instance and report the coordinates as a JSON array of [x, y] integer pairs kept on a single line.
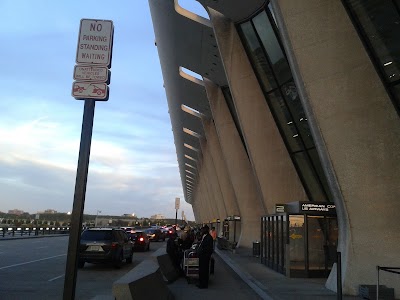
[[93, 58], [177, 204], [79, 201]]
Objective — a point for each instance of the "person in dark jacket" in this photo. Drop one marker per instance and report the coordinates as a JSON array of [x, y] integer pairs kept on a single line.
[[204, 252], [173, 251]]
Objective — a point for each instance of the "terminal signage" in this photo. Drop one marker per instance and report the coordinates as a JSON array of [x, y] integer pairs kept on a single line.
[[280, 208], [317, 207]]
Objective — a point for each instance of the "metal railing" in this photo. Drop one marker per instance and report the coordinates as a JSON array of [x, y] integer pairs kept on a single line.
[[31, 231], [386, 269]]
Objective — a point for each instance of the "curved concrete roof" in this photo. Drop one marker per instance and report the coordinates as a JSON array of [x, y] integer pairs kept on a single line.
[[186, 40], [236, 10]]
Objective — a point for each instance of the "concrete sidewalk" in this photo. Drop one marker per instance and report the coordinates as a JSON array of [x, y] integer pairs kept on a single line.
[[269, 284]]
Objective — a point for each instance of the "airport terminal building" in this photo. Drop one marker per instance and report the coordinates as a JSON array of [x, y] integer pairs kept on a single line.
[[290, 133]]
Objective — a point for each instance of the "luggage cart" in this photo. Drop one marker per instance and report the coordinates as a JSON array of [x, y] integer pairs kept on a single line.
[[191, 265]]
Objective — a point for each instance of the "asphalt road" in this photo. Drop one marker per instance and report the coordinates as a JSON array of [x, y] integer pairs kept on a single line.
[[34, 269]]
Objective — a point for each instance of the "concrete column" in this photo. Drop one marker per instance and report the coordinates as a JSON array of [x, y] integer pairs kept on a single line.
[[211, 197], [217, 199], [239, 170], [195, 211], [221, 170], [205, 196], [357, 132], [268, 155]]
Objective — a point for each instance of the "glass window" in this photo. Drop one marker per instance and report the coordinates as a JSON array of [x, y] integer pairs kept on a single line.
[[285, 121], [380, 21], [316, 253], [296, 244], [272, 47], [257, 56], [292, 98], [309, 176], [231, 106], [272, 13]]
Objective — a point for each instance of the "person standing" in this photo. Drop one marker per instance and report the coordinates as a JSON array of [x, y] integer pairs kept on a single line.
[[204, 252], [173, 252]]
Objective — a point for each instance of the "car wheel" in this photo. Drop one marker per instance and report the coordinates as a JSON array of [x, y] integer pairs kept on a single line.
[[81, 264], [129, 259], [118, 261], [148, 247]]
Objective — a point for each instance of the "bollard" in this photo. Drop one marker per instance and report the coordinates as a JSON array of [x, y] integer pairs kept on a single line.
[[339, 275]]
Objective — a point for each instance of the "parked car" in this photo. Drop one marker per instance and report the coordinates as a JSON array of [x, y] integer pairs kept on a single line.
[[98, 245], [140, 240], [155, 234]]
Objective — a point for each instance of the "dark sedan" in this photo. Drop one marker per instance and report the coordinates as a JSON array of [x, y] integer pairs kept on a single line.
[[140, 240], [155, 234]]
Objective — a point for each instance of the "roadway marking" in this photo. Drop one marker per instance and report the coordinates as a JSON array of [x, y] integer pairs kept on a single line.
[[32, 261], [52, 279], [42, 247]]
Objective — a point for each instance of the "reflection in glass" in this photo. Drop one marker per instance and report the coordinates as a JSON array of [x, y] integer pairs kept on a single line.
[[258, 57], [285, 120], [316, 254], [380, 21], [292, 98], [272, 47], [296, 236], [304, 164]]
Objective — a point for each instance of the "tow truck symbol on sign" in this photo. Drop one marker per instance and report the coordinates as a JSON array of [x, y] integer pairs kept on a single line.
[[97, 90], [90, 90], [78, 89]]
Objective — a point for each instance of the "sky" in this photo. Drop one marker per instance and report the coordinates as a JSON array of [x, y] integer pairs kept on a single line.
[[133, 165]]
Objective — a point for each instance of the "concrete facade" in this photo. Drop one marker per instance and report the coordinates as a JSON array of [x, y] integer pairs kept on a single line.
[[353, 122], [356, 114]]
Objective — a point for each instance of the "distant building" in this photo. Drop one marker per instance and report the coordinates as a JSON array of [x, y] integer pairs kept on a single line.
[[16, 212], [48, 211], [157, 217]]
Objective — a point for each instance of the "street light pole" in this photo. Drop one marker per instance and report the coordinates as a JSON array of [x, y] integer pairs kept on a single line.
[[95, 220]]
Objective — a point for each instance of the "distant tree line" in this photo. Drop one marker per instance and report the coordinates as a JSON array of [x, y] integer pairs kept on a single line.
[[63, 219]]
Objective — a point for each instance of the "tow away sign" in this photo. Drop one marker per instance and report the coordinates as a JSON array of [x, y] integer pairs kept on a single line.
[[90, 90], [95, 42], [91, 73]]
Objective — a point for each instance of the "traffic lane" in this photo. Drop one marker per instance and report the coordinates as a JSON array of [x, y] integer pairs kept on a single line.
[[44, 279], [33, 279], [23, 251], [28, 265], [23, 277]]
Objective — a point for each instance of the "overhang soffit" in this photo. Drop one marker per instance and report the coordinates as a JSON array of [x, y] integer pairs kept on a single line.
[[182, 41], [236, 10]]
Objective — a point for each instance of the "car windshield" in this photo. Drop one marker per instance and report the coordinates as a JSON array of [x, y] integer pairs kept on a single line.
[[96, 235], [150, 231]]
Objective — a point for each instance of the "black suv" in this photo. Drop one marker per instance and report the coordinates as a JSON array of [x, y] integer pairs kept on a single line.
[[99, 245]]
